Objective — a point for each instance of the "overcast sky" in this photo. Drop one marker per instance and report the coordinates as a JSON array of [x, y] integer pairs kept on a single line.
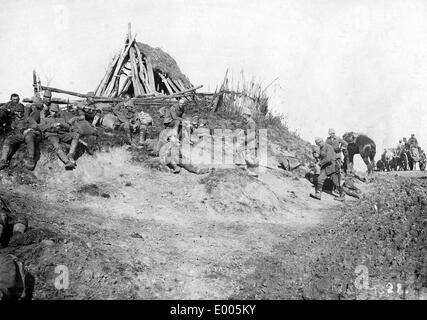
[[351, 65]]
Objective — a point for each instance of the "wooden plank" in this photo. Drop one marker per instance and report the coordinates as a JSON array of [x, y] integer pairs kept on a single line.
[[142, 71], [150, 73], [173, 86], [71, 93], [137, 86], [180, 84], [122, 61], [107, 77], [176, 88], [180, 94], [168, 88], [124, 83]]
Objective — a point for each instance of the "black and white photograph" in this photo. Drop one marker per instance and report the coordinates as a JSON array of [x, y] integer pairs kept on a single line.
[[230, 152]]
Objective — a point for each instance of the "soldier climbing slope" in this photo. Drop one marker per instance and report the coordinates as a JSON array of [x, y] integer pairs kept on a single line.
[[56, 130], [22, 130], [328, 169]]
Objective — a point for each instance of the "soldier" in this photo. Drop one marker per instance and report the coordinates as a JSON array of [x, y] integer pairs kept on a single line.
[[174, 116], [338, 144], [405, 144], [17, 220], [57, 130], [413, 142], [14, 100], [40, 108], [145, 121], [22, 130], [129, 121], [248, 121], [328, 169], [399, 147]]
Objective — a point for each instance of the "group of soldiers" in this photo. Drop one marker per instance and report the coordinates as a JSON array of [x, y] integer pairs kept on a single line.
[[43, 119], [327, 154], [410, 145]]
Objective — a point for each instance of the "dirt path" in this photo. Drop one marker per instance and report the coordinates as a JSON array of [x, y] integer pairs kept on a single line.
[[127, 231]]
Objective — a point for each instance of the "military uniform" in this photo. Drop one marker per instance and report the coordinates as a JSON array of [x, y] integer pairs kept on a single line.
[[413, 142], [328, 169], [57, 130], [21, 130], [173, 115], [338, 144], [130, 121]]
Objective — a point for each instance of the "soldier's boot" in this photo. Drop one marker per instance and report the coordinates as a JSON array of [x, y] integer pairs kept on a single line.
[[318, 193], [73, 148], [29, 162], [17, 234], [4, 161], [63, 157], [342, 194], [142, 137], [175, 168]]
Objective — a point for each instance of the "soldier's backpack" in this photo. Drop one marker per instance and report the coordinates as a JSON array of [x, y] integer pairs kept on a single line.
[[12, 278]]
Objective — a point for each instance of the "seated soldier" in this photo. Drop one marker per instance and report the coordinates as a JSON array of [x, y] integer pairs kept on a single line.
[[6, 114], [141, 123], [173, 117], [56, 129], [76, 118], [21, 130], [126, 115]]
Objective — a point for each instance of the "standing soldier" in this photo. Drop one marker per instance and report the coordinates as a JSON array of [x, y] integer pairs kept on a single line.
[[57, 130], [22, 130], [339, 145], [328, 169], [413, 142]]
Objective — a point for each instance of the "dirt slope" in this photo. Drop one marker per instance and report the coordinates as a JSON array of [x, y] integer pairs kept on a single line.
[[127, 231]]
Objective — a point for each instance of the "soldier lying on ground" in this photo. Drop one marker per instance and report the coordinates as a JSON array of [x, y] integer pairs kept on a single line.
[[56, 130], [22, 130], [14, 284], [17, 220]]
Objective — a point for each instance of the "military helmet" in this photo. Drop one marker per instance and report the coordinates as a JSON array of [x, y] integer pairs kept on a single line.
[[331, 131], [246, 111], [18, 108], [47, 94], [318, 140], [54, 108]]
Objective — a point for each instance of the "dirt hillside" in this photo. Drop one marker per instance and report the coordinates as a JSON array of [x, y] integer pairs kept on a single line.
[[126, 230]]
